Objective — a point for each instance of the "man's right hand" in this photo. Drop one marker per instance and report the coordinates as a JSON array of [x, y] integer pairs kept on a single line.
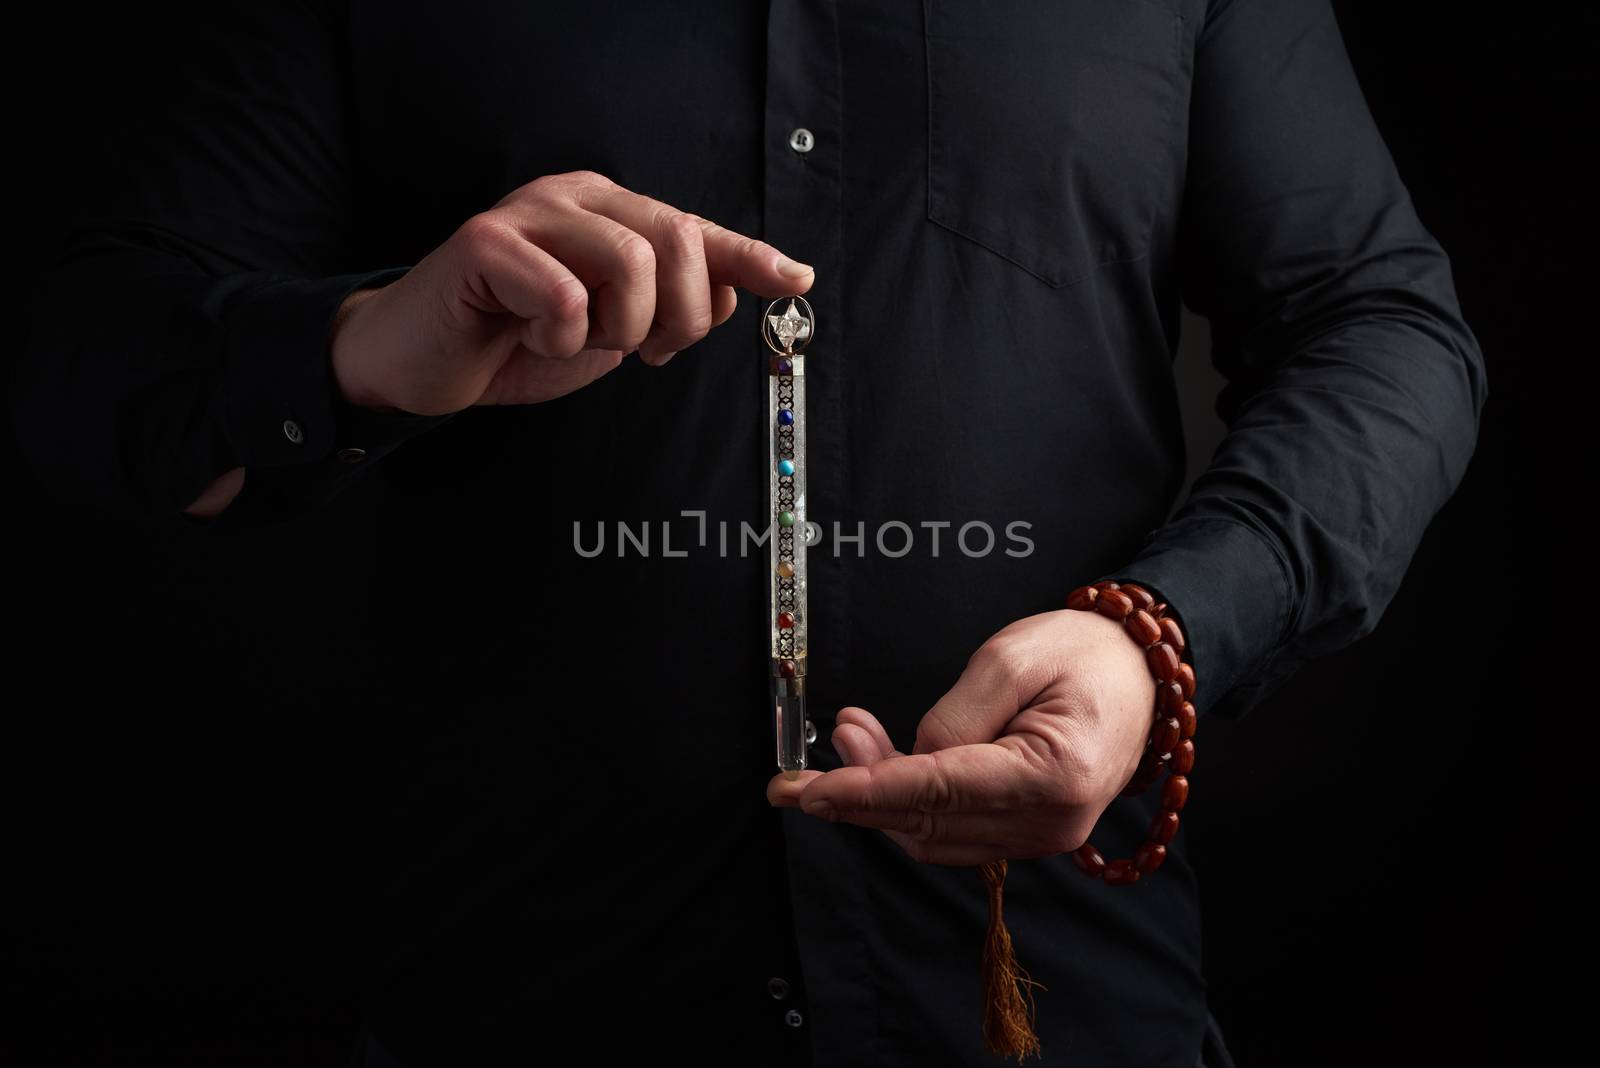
[[544, 293]]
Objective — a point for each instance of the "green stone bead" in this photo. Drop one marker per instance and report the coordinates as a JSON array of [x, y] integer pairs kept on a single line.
[[786, 519]]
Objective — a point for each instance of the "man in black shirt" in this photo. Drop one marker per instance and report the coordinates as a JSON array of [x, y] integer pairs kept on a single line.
[[380, 278]]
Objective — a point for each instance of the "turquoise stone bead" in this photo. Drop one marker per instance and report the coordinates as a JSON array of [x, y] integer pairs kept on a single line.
[[785, 467], [786, 519]]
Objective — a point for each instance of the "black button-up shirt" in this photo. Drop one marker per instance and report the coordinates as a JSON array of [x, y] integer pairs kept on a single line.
[[567, 752]]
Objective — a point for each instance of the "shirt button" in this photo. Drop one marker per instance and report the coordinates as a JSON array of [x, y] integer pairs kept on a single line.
[[778, 988], [292, 431], [352, 456], [793, 1018], [800, 139]]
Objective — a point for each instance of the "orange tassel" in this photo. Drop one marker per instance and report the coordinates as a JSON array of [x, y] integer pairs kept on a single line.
[[1007, 1018]]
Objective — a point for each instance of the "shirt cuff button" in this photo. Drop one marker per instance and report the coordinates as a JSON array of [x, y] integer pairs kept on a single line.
[[352, 456], [778, 988], [292, 431]]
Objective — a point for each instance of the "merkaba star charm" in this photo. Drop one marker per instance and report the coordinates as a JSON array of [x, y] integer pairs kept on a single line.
[[791, 326]]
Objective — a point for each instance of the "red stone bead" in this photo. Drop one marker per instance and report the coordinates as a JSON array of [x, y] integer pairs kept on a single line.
[[1159, 610], [1141, 596], [1164, 739], [1121, 873], [1107, 584], [1171, 633], [1163, 660], [1089, 860], [1169, 699], [1142, 628], [785, 621], [1148, 857], [1114, 603], [1188, 721], [1186, 679], [1182, 762], [1164, 827], [1083, 598], [1175, 793], [788, 669]]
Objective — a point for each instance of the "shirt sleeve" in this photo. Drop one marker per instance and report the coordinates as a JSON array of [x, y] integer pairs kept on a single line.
[[1354, 387], [183, 327]]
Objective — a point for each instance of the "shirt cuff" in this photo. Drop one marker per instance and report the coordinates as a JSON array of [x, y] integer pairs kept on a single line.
[[285, 419], [1229, 590]]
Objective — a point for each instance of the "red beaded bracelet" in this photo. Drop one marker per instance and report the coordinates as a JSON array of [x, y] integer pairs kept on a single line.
[[1170, 748]]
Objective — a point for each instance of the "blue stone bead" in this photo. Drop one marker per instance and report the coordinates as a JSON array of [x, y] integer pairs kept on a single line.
[[785, 467], [786, 418]]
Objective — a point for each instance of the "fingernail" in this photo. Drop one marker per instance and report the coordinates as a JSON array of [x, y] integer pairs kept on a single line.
[[792, 268], [823, 809]]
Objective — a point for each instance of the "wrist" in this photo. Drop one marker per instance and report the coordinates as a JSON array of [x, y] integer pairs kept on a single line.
[[1155, 632], [1127, 690], [349, 353]]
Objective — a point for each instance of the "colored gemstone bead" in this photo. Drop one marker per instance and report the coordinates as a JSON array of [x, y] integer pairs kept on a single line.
[[1082, 598], [785, 467], [786, 570], [1142, 628], [1171, 634], [1114, 603], [1141, 596], [786, 519], [785, 366], [785, 621], [786, 418], [788, 669], [1188, 721], [1163, 660], [1164, 739], [1121, 873], [1164, 827], [1148, 857], [1089, 860]]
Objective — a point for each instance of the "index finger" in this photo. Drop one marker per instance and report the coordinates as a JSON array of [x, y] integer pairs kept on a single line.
[[734, 259]]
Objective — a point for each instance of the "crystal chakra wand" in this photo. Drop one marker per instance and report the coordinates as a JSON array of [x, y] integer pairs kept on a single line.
[[787, 328]]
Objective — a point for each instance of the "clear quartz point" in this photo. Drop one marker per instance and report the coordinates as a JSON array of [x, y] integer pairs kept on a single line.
[[789, 712]]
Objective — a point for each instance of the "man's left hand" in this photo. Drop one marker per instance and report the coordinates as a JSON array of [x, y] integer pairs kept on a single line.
[[1044, 728]]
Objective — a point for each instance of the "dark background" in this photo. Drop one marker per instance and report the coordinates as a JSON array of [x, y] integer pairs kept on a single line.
[[1377, 842]]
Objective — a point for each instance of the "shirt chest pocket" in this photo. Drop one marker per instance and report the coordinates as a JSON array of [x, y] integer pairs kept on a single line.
[[1052, 127]]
